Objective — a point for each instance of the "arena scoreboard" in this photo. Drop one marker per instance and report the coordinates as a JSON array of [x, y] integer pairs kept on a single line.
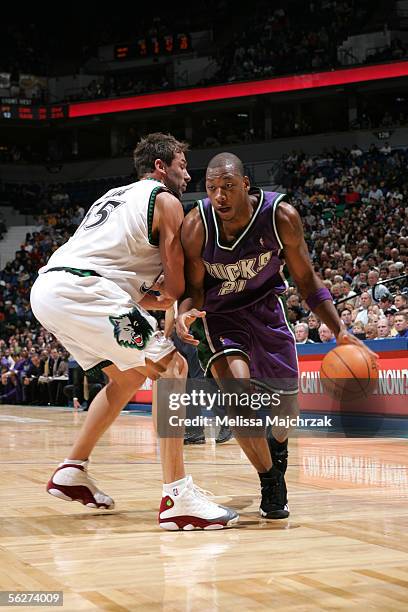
[[33, 113], [152, 46]]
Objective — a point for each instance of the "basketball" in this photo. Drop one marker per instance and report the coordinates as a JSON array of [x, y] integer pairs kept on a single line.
[[349, 372]]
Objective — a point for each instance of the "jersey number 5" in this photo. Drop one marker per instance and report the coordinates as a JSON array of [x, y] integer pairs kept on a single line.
[[101, 210]]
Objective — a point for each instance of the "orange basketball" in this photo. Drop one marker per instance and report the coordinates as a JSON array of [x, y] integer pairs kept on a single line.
[[349, 372]]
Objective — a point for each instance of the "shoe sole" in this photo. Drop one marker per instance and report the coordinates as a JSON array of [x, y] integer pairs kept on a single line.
[[275, 514], [61, 495], [188, 443], [190, 526]]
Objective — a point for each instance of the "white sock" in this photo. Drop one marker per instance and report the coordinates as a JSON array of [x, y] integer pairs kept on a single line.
[[74, 461], [171, 487]]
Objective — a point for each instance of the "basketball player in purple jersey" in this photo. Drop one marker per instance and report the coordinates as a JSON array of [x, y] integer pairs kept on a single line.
[[235, 242]]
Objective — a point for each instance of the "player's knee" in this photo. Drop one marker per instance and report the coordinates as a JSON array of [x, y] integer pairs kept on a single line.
[[131, 379], [172, 366], [176, 368], [289, 405]]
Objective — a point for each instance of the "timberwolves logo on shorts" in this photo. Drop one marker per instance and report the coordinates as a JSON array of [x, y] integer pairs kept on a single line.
[[131, 330]]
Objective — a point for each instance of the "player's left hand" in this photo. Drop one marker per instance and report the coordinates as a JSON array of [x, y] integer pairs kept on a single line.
[[183, 323]]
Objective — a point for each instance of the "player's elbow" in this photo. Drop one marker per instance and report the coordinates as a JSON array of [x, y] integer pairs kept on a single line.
[[306, 284]]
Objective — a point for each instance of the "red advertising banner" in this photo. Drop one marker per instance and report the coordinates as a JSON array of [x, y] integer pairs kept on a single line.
[[193, 95], [391, 397]]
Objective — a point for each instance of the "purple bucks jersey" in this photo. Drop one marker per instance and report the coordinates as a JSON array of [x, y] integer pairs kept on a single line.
[[248, 269]]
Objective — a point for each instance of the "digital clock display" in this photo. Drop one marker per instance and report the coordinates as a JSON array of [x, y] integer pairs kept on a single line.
[[153, 46]]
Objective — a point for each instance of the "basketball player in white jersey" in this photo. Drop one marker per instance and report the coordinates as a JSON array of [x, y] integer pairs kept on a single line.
[[92, 294]]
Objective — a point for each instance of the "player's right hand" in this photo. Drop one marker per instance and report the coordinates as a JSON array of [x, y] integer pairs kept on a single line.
[[183, 323], [345, 337]]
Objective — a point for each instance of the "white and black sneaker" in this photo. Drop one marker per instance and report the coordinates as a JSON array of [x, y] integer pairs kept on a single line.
[[274, 502]]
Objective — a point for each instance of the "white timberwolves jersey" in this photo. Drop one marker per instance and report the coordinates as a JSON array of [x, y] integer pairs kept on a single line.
[[115, 239]]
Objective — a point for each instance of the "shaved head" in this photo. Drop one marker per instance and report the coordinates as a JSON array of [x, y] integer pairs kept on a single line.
[[228, 189], [226, 162]]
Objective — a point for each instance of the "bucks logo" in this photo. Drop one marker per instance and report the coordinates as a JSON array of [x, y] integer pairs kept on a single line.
[[131, 330]]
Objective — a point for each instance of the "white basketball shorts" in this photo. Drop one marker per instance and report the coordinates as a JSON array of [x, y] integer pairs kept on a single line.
[[96, 321]]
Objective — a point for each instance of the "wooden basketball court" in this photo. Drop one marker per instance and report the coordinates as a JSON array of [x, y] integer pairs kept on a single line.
[[344, 547]]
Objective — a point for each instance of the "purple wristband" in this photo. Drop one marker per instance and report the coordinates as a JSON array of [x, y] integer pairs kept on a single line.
[[317, 297]]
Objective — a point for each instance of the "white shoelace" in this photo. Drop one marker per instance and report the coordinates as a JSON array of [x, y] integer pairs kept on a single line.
[[203, 493]]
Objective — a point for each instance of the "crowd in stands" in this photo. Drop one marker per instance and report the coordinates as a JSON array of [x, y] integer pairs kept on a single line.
[[288, 39], [32, 48], [35, 198], [354, 207], [295, 37], [370, 118], [123, 84], [273, 40], [3, 227], [397, 50]]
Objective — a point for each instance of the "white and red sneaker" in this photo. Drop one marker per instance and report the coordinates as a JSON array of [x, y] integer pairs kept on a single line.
[[72, 482], [188, 508]]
